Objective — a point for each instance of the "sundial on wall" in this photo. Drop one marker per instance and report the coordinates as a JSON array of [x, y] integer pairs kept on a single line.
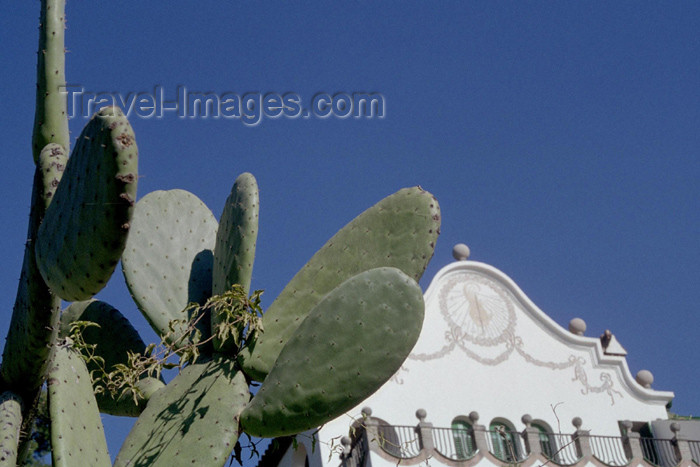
[[480, 315], [477, 309]]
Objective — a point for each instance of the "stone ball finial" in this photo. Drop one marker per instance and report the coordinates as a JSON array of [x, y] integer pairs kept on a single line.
[[644, 378], [577, 422], [577, 326], [474, 416], [421, 414], [675, 427], [627, 425], [461, 252], [527, 420], [367, 412], [346, 442]]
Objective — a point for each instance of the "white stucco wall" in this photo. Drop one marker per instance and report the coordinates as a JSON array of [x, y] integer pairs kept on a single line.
[[486, 347]]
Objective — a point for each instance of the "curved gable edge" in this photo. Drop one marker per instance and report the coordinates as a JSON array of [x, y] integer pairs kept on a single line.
[[619, 363]]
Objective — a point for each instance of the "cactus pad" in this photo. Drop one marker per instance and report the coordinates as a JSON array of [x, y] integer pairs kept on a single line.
[[400, 231], [167, 262], [83, 233], [77, 435], [236, 238], [193, 421], [114, 337], [350, 344], [10, 424], [35, 312]]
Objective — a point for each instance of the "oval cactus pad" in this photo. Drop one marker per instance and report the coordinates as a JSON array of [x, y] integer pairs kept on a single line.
[[192, 421], [235, 245], [167, 262], [77, 435], [83, 233], [350, 344], [400, 231], [238, 232]]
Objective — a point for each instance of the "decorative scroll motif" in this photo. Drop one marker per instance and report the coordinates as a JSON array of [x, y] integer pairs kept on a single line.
[[480, 314], [396, 378], [606, 386]]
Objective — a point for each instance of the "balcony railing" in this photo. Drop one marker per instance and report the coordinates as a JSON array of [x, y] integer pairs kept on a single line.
[[506, 446], [411, 445], [695, 450], [661, 452], [454, 444], [401, 442], [559, 448]]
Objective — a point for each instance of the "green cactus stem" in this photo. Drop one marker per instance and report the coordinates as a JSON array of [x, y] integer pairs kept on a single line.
[[51, 118], [10, 424], [85, 228], [36, 309], [34, 316]]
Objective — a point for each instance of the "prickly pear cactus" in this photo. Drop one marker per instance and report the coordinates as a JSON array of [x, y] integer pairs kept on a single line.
[[400, 231], [314, 348], [332, 361]]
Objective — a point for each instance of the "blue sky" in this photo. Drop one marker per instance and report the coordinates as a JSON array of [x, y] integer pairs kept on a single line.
[[561, 139]]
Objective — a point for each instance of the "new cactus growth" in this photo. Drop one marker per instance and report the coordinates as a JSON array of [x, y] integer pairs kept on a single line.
[[315, 349]]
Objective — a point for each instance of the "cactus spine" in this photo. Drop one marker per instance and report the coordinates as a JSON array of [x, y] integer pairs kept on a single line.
[[314, 349]]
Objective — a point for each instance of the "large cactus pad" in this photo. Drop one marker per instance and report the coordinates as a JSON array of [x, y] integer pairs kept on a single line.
[[193, 421], [400, 231], [85, 227], [167, 262], [351, 343], [77, 435]]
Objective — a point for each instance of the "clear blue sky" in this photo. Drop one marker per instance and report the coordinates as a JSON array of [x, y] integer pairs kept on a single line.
[[561, 139]]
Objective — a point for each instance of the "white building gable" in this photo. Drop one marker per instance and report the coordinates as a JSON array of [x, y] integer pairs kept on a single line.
[[486, 357], [486, 347]]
